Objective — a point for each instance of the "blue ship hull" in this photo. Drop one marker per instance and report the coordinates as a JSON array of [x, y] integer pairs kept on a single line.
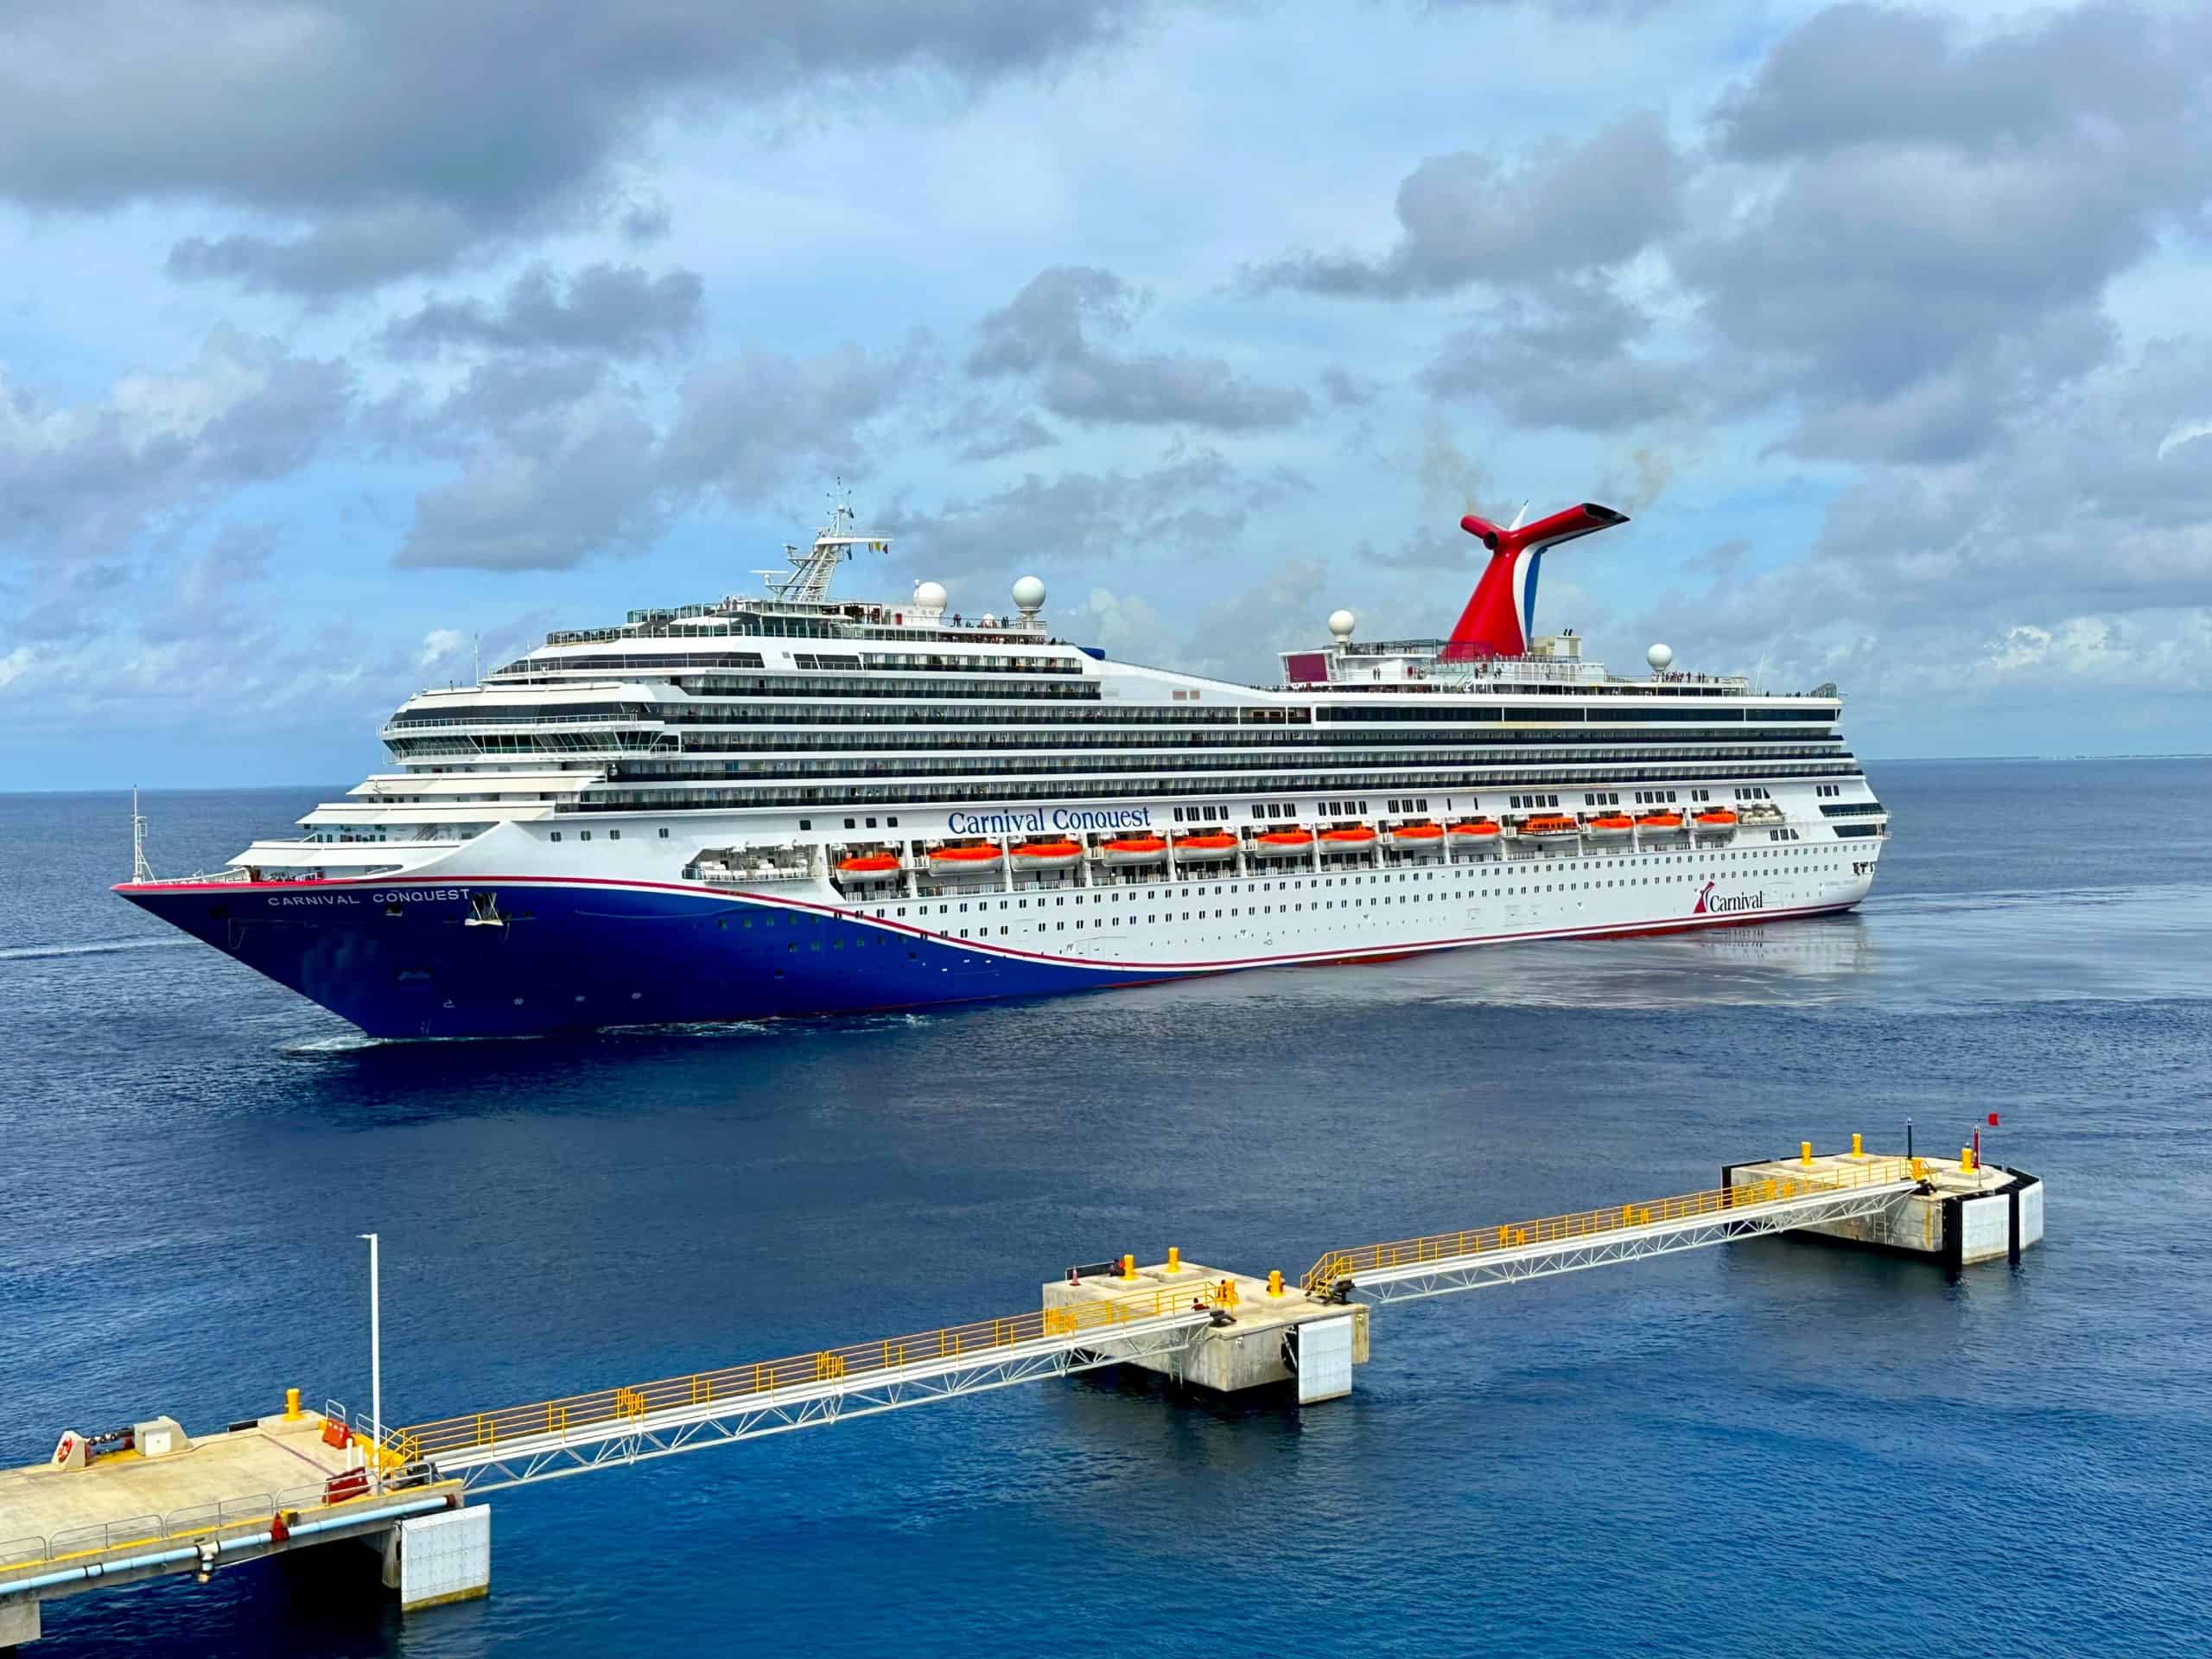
[[403, 960], [406, 960]]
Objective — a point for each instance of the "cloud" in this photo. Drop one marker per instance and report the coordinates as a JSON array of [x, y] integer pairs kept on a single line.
[[86, 483], [617, 311], [1568, 354], [1045, 331], [1192, 502], [560, 461], [398, 136], [1560, 210], [745, 425], [1346, 390], [438, 644], [1911, 236]]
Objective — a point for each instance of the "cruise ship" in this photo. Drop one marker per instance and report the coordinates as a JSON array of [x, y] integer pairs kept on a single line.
[[788, 803]]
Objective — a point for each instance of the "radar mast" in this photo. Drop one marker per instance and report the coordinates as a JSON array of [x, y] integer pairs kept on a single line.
[[807, 582]]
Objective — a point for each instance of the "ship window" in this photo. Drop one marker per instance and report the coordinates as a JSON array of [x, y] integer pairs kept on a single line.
[[891, 824], [583, 835], [663, 834], [615, 835], [557, 833], [806, 824], [871, 823]]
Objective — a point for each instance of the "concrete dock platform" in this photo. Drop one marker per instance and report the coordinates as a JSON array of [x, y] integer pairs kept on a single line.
[[1965, 1212], [1260, 1335], [152, 1501]]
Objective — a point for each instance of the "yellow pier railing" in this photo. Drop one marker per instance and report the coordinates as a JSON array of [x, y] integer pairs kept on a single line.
[[1811, 1181], [575, 1412]]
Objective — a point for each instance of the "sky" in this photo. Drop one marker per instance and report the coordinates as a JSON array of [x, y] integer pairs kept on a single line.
[[343, 343]]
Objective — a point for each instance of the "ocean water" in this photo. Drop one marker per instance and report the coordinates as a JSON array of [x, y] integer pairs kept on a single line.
[[1771, 1448]]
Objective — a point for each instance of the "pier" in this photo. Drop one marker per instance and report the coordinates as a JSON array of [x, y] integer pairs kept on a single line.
[[127, 1504]]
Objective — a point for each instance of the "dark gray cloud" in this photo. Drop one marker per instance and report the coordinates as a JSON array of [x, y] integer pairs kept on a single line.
[[1561, 209], [1046, 331], [396, 135], [617, 311]]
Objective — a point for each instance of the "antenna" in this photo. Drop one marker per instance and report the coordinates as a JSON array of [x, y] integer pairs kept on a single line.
[[477, 639], [141, 871]]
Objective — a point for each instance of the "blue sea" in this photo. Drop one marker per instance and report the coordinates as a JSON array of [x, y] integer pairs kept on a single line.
[[1775, 1448]]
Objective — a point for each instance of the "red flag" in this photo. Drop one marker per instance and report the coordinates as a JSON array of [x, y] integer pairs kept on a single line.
[[1993, 1120]]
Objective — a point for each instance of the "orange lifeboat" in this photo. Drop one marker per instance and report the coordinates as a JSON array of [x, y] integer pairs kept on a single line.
[[1550, 826], [1416, 834], [1661, 822], [1350, 834], [1047, 854], [975, 855], [1476, 829], [1204, 849], [1717, 817], [868, 867], [1134, 849], [1281, 843], [1610, 826]]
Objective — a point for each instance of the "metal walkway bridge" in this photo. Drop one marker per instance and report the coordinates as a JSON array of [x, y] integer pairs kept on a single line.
[[1146, 1324]]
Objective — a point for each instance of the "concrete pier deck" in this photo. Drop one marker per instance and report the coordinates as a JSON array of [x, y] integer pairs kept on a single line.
[[179, 1503], [1965, 1212], [1246, 1348]]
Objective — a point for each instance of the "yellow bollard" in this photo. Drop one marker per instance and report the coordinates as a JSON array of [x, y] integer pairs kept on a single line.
[[1858, 1146], [1966, 1158], [1128, 1266], [1805, 1152], [1274, 1282], [291, 1405], [1174, 1259]]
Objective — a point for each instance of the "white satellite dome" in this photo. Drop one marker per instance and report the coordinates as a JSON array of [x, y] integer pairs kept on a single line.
[[1029, 595], [930, 596], [1661, 658], [1341, 623]]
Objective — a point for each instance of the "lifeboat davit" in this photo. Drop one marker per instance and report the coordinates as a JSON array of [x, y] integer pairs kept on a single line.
[[1134, 849], [868, 867], [1047, 854], [1477, 829], [975, 855], [1204, 849], [1549, 827], [1350, 834], [1610, 826], [1281, 843], [1660, 823]]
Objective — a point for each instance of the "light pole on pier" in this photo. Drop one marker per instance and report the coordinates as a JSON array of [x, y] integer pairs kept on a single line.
[[376, 1372]]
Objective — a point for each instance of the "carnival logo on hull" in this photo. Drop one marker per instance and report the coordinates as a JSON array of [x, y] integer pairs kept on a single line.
[[1730, 905]]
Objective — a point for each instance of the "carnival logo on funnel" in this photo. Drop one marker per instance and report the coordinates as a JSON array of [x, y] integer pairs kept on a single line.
[[1729, 905]]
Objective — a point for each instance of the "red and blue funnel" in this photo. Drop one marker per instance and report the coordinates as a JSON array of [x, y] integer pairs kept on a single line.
[[1500, 616]]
